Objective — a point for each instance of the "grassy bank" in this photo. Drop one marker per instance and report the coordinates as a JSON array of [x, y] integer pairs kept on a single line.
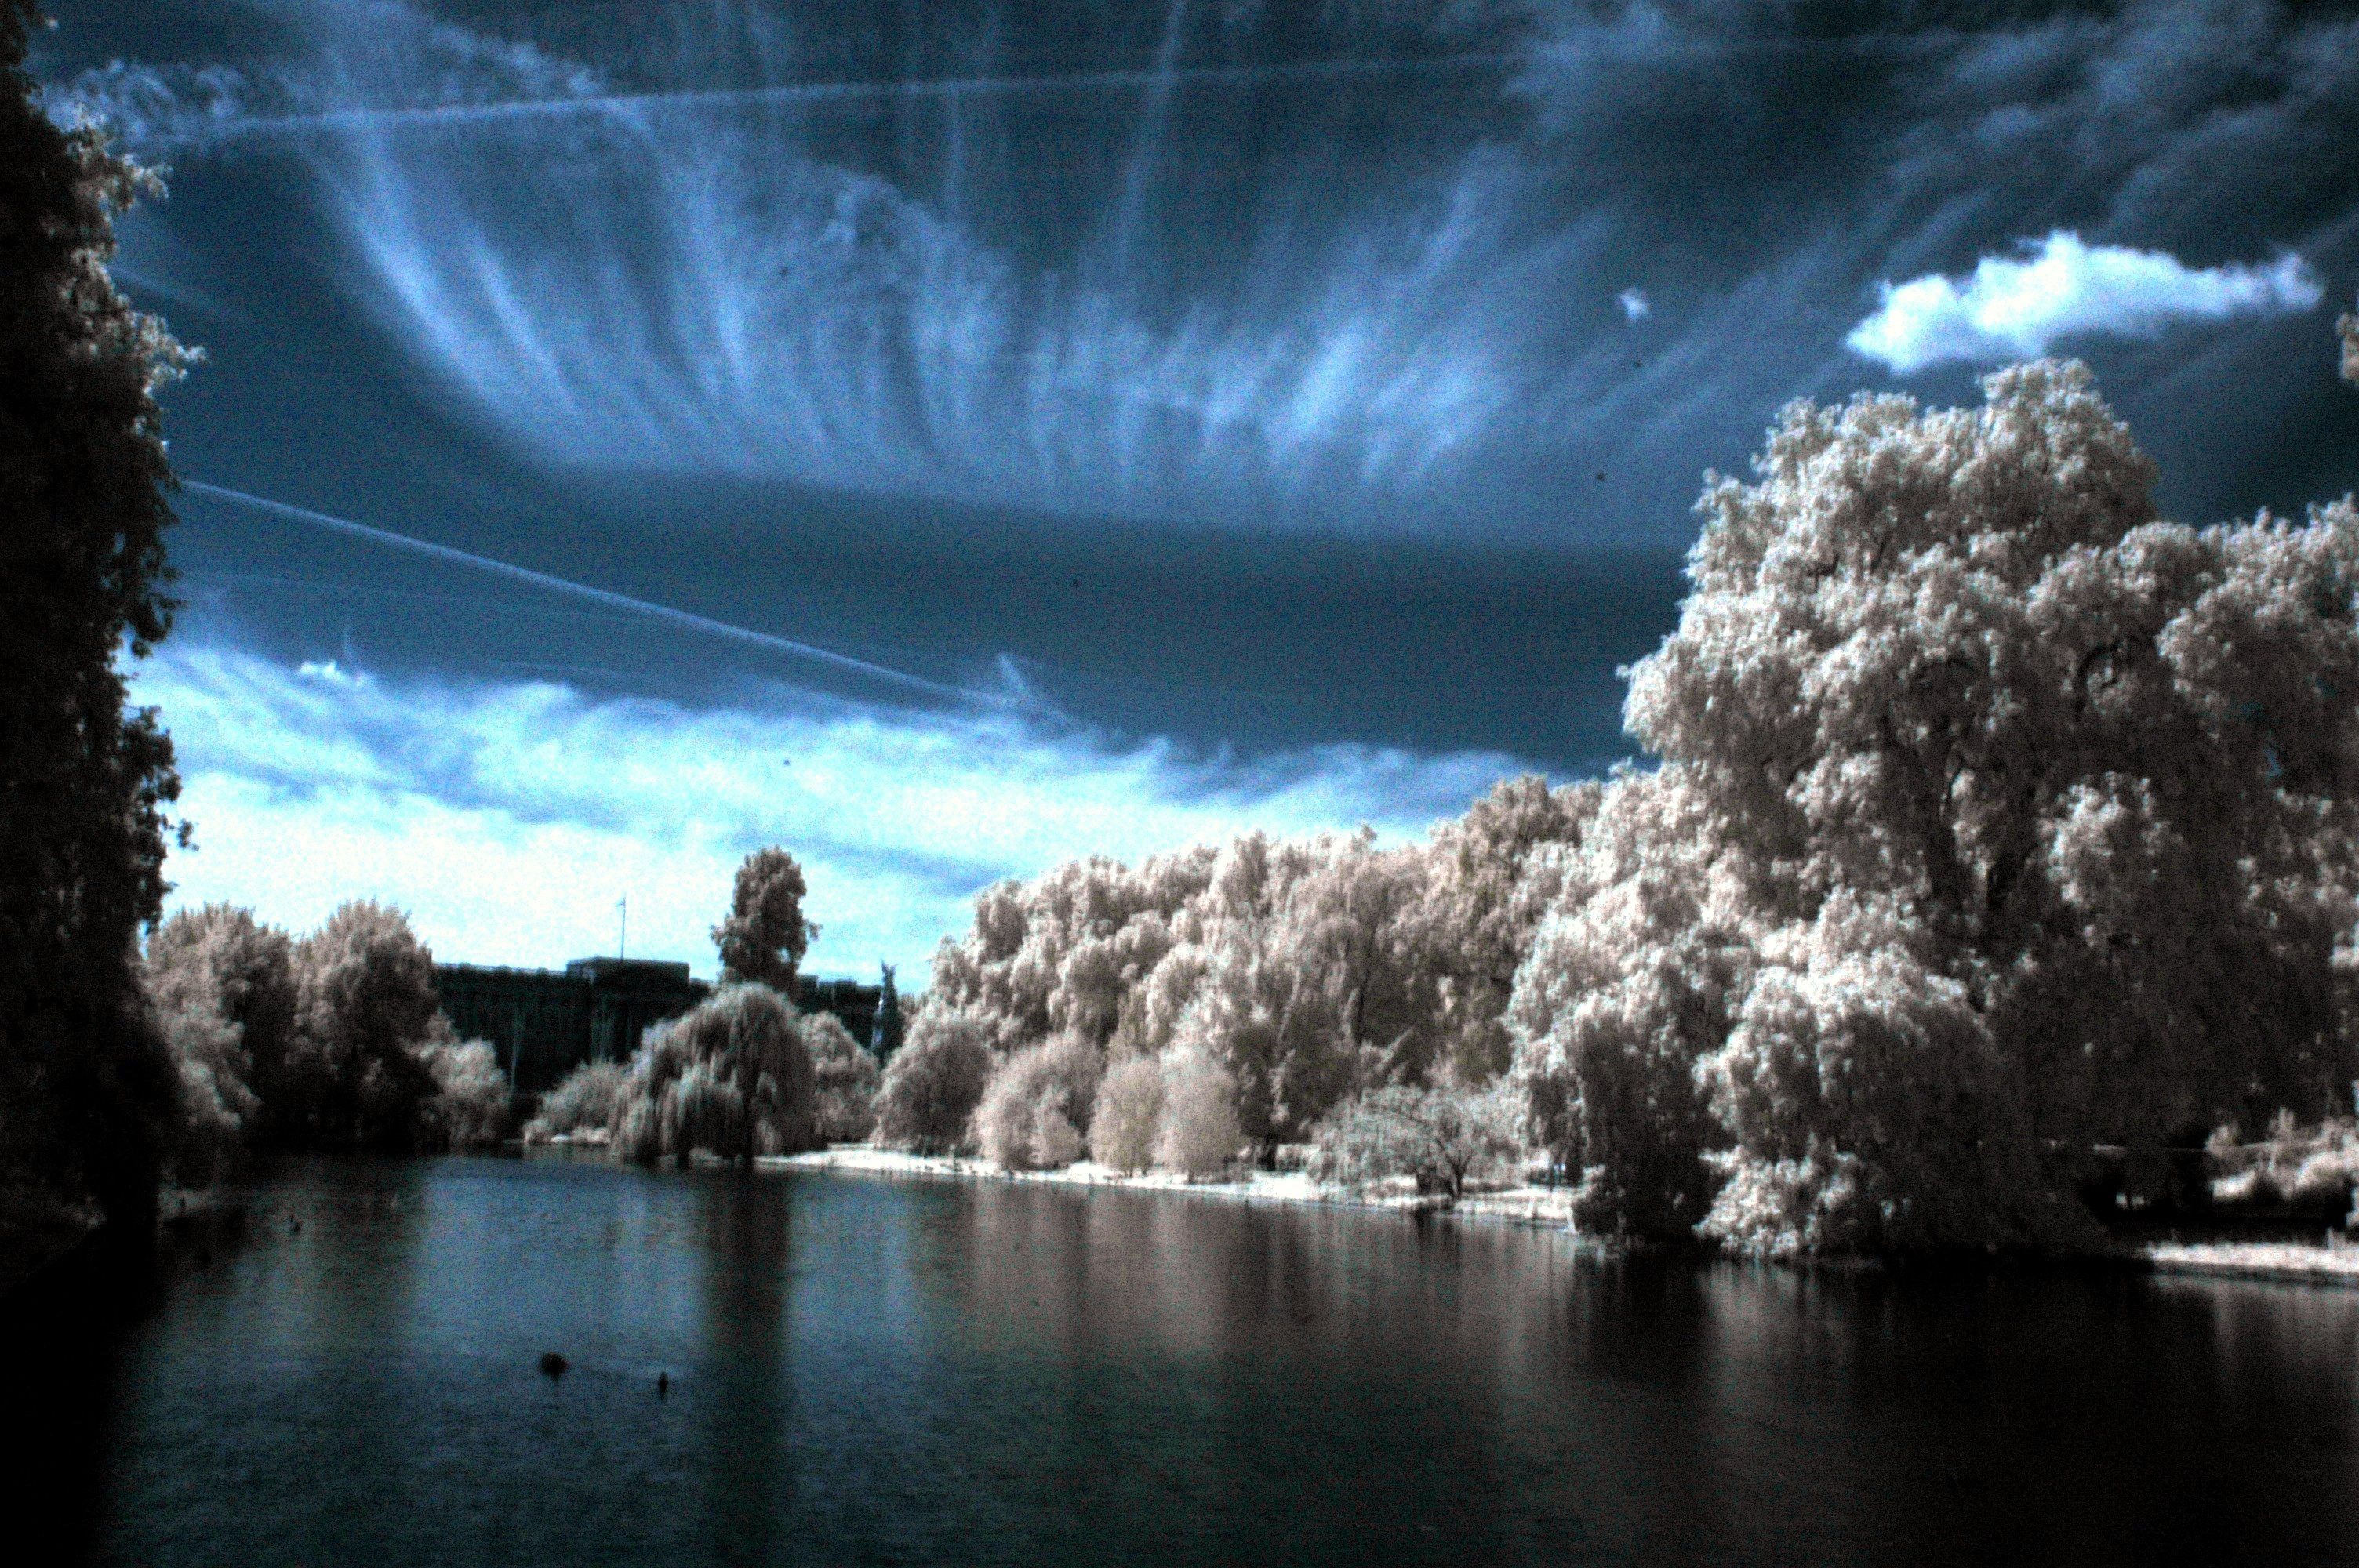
[[1520, 1204], [2332, 1260]]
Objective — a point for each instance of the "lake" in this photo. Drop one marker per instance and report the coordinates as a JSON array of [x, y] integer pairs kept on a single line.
[[869, 1371]]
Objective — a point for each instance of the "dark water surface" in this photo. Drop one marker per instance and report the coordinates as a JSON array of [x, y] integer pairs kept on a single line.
[[868, 1370]]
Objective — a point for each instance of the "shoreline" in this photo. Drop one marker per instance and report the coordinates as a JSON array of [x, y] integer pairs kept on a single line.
[[2327, 1265], [1513, 1205]]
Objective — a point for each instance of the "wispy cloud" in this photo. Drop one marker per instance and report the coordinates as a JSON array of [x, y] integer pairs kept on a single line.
[[726, 239], [2058, 287], [737, 291], [509, 817]]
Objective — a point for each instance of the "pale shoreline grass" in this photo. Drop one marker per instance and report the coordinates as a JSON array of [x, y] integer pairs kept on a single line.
[[1515, 1205], [2331, 1264], [2291, 1262]]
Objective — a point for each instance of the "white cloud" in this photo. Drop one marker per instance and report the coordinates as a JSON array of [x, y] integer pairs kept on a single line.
[[508, 819], [2014, 309], [1633, 304]]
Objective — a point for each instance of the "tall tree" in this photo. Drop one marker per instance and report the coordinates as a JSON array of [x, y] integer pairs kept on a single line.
[[1999, 818], [766, 935], [358, 1070], [88, 1088]]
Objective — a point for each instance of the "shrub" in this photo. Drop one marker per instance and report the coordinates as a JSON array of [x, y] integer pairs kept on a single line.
[[1128, 1115], [1201, 1133], [1037, 1109], [730, 1077], [584, 1103], [933, 1083], [469, 1109], [846, 1077], [1440, 1137]]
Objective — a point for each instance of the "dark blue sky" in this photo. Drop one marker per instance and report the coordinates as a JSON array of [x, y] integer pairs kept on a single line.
[[1229, 413]]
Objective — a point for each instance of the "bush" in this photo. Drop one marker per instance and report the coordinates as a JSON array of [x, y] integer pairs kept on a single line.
[[1128, 1115], [1037, 1109], [933, 1083], [846, 1077], [469, 1105], [583, 1104], [1201, 1133], [730, 1077], [1440, 1137]]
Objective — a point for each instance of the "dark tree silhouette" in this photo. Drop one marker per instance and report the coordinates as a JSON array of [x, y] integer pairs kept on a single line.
[[89, 1089], [766, 935], [885, 1034]]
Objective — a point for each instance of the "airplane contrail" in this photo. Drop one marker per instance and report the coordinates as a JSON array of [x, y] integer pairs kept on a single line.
[[584, 591], [810, 92]]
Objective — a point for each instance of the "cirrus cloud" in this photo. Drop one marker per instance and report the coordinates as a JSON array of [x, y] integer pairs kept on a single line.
[[2010, 309]]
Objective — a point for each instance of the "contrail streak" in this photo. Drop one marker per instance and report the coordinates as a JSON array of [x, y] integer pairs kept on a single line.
[[824, 93], [584, 591]]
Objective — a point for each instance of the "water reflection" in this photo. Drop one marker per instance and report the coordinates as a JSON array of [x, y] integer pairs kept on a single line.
[[747, 1404], [870, 1371]]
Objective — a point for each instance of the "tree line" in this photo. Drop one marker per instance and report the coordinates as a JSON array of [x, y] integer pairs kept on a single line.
[[1997, 840], [331, 1044], [1992, 822]]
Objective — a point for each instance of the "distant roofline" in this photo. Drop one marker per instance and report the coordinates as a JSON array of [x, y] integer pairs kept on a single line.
[[565, 973]]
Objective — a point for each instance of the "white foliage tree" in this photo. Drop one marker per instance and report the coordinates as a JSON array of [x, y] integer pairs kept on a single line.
[[2016, 819], [1627, 984], [1491, 875], [935, 1080], [1199, 1133], [1034, 1114], [845, 1077], [1441, 1138], [1063, 950], [469, 1108], [1304, 969], [1128, 1115]]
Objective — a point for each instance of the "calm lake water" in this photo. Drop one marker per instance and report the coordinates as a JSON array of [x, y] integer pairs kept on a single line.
[[874, 1371]]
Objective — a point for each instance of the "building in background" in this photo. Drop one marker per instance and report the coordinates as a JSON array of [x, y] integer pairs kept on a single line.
[[545, 1022]]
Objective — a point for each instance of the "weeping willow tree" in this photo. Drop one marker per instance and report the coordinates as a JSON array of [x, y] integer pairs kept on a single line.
[[731, 1078]]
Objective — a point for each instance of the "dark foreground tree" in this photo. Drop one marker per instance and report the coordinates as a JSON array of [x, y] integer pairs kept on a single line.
[[885, 1034], [87, 1091], [766, 935]]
